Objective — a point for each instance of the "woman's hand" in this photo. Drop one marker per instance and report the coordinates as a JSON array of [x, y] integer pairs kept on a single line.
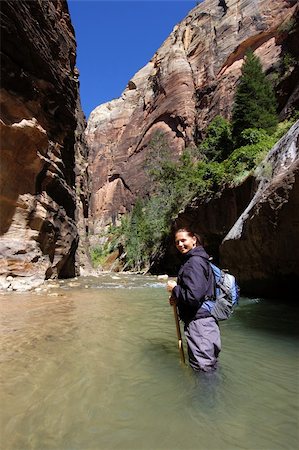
[[170, 285], [172, 300]]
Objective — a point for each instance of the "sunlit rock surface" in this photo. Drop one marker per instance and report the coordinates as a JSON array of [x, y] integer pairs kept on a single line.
[[189, 80], [41, 128]]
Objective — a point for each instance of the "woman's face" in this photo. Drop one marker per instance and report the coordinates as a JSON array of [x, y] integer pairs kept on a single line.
[[184, 242]]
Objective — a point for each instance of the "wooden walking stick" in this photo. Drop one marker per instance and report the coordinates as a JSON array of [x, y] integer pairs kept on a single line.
[[178, 331]]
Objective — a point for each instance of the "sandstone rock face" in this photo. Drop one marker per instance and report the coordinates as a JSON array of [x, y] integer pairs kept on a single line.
[[41, 124], [262, 248], [189, 80], [253, 229]]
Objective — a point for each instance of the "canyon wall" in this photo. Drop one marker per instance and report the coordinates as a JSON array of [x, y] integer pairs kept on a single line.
[[262, 247], [189, 80], [43, 187], [252, 229]]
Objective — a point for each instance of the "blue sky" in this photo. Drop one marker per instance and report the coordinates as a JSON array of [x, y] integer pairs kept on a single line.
[[117, 38]]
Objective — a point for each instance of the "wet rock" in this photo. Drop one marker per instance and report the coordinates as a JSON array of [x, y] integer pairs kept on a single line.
[[19, 283]]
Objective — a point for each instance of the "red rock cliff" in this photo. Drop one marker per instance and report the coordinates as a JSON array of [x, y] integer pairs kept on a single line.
[[189, 80], [253, 229], [41, 128]]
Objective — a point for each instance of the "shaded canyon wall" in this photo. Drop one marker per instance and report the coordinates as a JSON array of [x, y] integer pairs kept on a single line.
[[262, 248], [44, 192]]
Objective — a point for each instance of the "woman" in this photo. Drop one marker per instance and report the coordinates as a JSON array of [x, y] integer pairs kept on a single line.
[[191, 294]]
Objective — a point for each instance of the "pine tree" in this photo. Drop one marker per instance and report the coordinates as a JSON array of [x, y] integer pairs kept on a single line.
[[254, 103], [217, 144]]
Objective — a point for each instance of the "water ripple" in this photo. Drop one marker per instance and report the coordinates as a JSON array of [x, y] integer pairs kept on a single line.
[[96, 366]]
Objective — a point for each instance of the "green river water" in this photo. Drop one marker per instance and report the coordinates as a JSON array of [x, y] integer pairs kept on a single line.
[[93, 364]]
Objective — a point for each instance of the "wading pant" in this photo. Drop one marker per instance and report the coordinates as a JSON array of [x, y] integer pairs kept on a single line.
[[204, 344]]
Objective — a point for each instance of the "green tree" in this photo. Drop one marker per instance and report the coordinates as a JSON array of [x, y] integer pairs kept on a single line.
[[134, 234], [158, 154], [217, 144], [254, 103]]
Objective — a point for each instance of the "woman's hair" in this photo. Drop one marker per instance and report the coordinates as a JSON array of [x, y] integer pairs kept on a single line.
[[190, 233]]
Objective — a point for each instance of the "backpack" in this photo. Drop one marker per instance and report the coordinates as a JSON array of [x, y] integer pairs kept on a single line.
[[226, 293]]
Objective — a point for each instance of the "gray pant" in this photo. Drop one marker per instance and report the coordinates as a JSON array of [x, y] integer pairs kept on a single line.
[[204, 344]]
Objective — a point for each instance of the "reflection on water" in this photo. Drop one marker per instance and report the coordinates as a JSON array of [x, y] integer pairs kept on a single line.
[[93, 364]]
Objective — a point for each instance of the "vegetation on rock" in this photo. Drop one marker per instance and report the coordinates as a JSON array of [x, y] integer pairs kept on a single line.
[[226, 156], [174, 184], [254, 103], [218, 142]]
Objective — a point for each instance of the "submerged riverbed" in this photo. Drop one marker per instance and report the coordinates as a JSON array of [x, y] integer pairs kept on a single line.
[[93, 364]]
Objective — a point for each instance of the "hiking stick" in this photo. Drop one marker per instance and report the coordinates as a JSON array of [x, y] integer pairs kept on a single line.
[[178, 331]]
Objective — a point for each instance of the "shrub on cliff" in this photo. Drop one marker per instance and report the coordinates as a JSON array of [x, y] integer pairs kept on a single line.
[[217, 144], [149, 221], [254, 103], [175, 183], [159, 155], [134, 231], [244, 159]]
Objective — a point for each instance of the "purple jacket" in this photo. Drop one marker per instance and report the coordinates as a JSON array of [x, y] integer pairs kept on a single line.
[[195, 284]]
